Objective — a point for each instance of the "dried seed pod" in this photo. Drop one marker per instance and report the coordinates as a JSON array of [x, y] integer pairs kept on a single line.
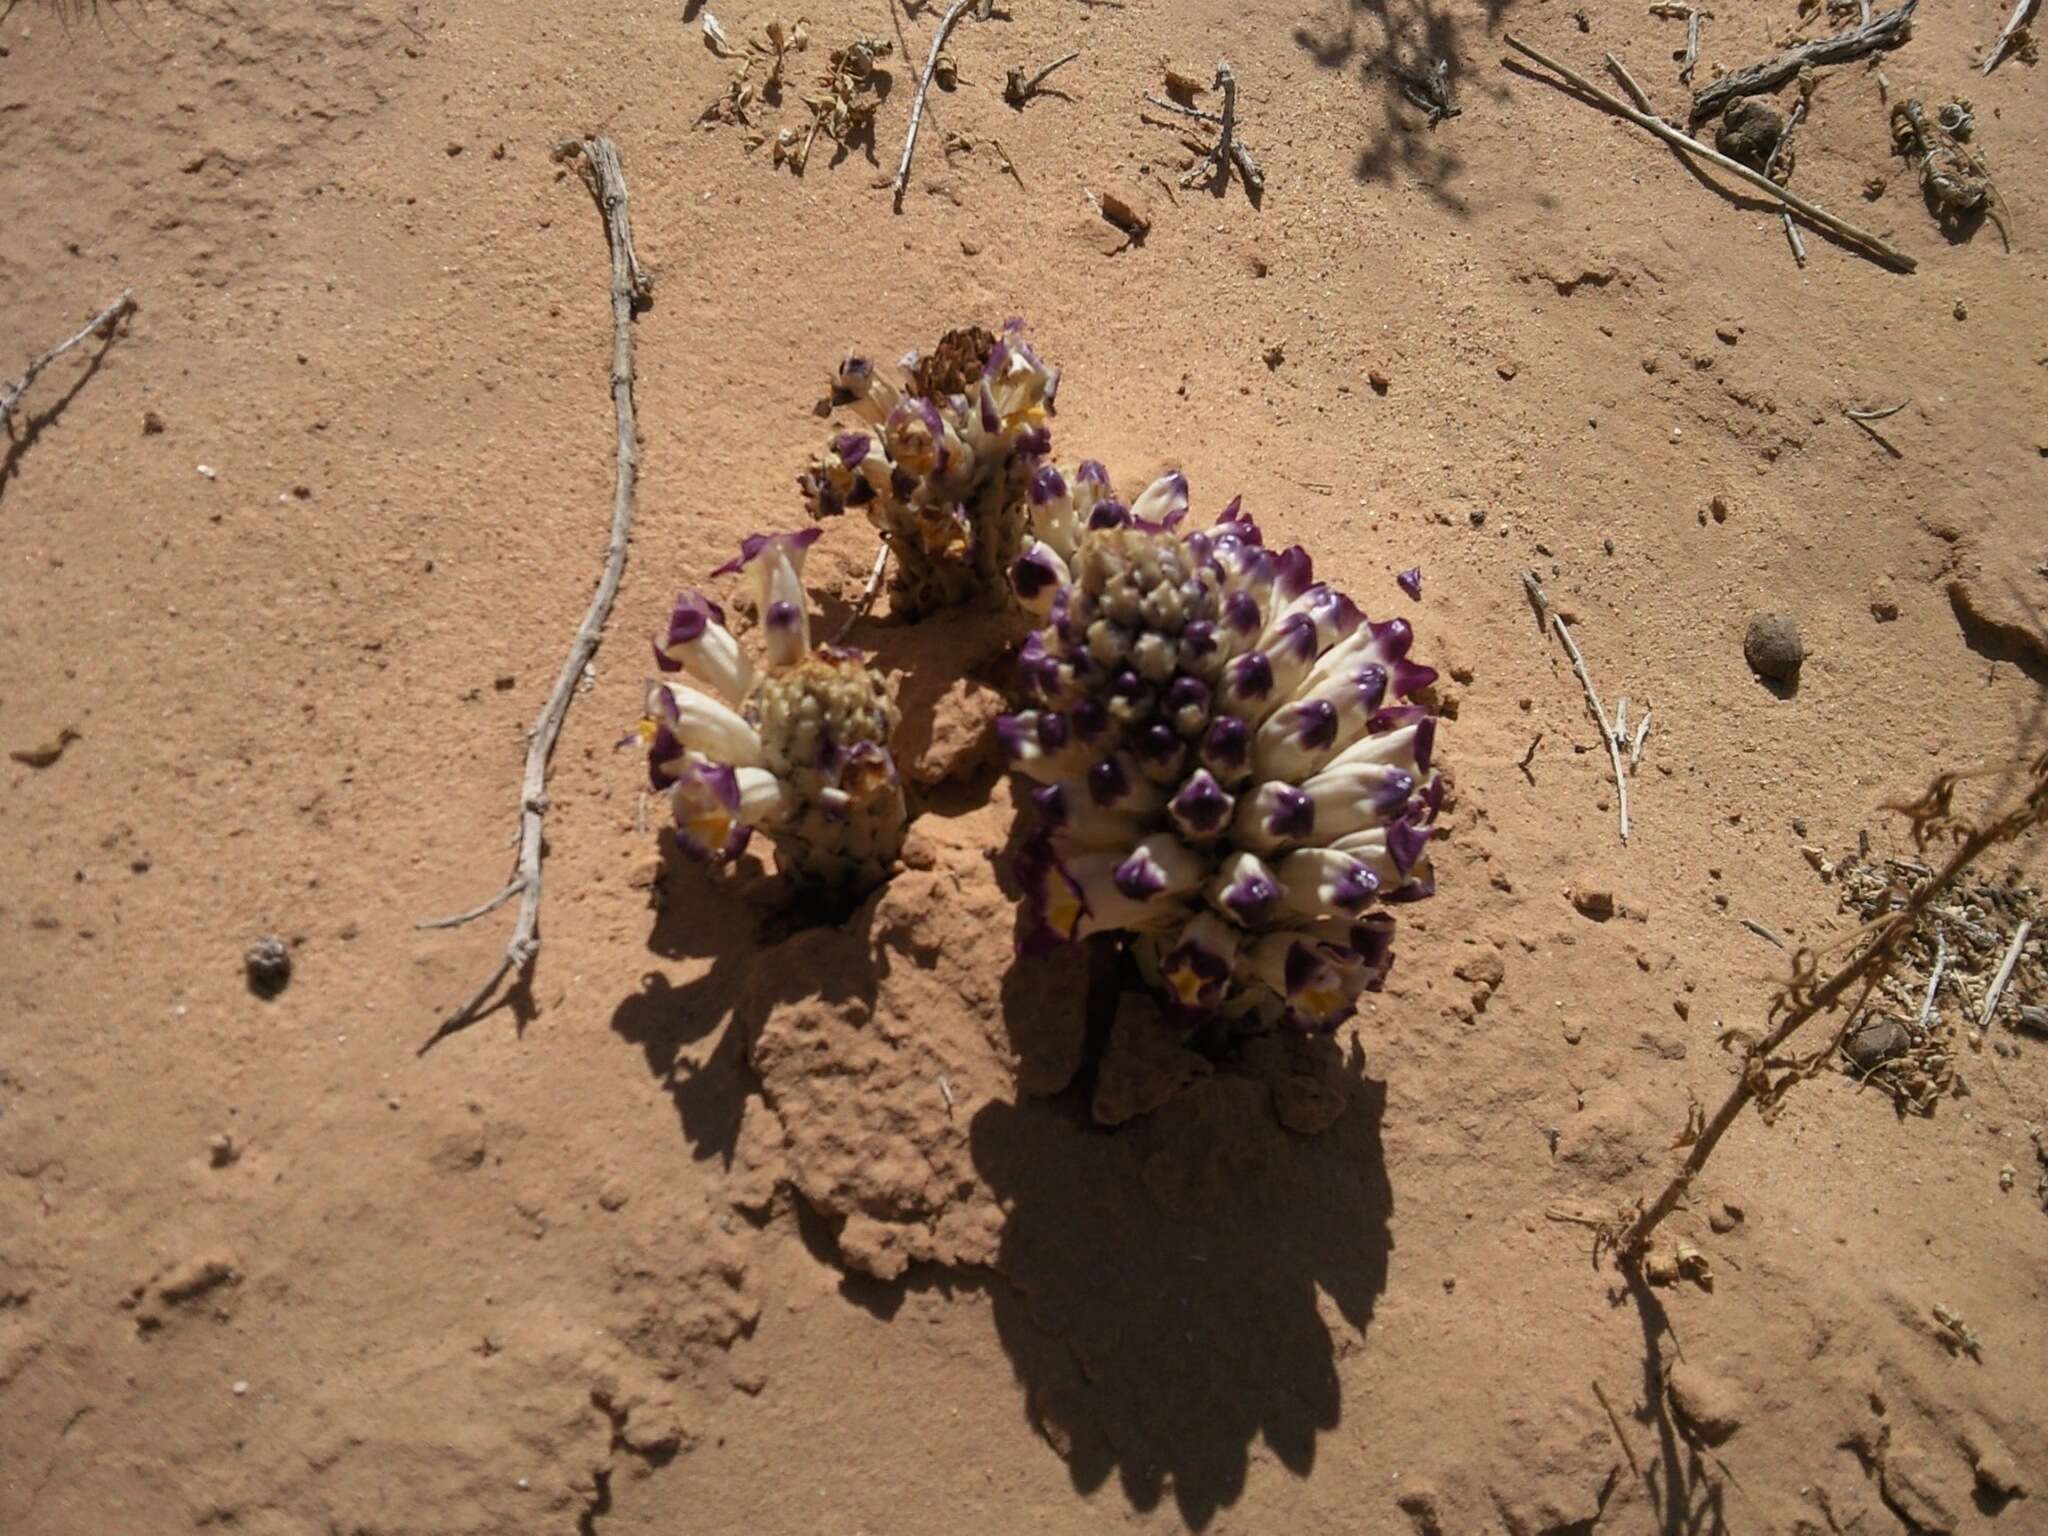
[[945, 469], [1231, 767], [798, 748]]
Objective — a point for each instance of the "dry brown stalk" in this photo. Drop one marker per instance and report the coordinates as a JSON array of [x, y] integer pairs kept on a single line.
[[1803, 997]]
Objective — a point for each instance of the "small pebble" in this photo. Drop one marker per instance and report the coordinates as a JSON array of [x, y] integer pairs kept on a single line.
[[1772, 647], [241, 1389], [151, 423], [1379, 381], [207, 470], [221, 1150], [1595, 902], [1478, 516], [1719, 509], [1884, 610], [268, 965]]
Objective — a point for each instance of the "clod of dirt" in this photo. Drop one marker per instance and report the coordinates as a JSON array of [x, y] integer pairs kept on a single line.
[[268, 965], [1876, 1041], [1710, 1406], [222, 1150], [1749, 131], [1724, 1217], [1998, 1475], [1596, 902], [152, 424], [1145, 1064], [1312, 1082], [956, 739], [1772, 647], [1884, 610]]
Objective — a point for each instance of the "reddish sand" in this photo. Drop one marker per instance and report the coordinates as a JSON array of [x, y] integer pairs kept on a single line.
[[725, 1227]]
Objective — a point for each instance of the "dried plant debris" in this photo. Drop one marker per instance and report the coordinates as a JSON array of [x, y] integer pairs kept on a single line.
[[1954, 178], [748, 88], [1430, 89], [1957, 1334], [1907, 1038], [844, 109]]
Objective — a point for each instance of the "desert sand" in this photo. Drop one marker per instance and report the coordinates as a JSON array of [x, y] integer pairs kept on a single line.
[[724, 1223]]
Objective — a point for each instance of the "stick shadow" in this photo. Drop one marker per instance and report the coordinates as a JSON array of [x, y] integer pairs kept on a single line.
[[35, 422], [1411, 35]]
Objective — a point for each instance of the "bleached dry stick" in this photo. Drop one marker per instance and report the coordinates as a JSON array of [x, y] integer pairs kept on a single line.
[[1771, 165], [629, 285], [1628, 83], [1635, 751], [868, 593], [1592, 698], [105, 317], [2022, 13], [1672, 136], [1934, 981], [1607, 732], [2012, 957], [1229, 150], [924, 85]]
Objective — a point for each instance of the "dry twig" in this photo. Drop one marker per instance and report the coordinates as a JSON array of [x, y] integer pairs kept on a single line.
[[1017, 89], [924, 85], [2012, 955], [1593, 700], [2022, 13], [629, 286], [1692, 15], [99, 322], [1213, 169], [1805, 996], [1671, 135], [1886, 31]]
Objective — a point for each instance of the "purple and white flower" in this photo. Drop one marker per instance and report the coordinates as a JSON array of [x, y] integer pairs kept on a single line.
[[955, 456], [1254, 785], [797, 748]]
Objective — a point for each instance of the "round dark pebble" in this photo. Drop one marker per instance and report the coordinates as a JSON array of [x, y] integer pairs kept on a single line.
[[269, 966], [1771, 647]]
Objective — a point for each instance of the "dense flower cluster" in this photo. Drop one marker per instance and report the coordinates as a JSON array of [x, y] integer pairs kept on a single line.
[[945, 471], [798, 748], [1229, 764]]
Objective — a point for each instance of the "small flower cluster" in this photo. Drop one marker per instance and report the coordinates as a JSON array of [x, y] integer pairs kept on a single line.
[[1230, 767], [945, 471], [798, 748]]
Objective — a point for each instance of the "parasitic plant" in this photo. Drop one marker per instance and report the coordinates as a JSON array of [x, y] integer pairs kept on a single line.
[[945, 467], [1230, 766], [798, 748]]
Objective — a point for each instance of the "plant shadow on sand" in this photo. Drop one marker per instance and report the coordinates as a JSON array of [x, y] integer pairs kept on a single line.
[[1394, 42], [1167, 1282]]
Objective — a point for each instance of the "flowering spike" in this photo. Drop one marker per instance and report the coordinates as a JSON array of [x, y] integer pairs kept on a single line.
[[1243, 772]]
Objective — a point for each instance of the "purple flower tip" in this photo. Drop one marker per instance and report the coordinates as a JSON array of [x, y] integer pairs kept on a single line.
[[1107, 781], [852, 448], [1139, 877], [1032, 575], [1047, 484], [1293, 813], [1108, 514], [1201, 804], [1405, 840]]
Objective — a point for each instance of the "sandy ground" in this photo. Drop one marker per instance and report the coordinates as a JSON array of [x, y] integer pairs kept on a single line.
[[692, 1239]]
